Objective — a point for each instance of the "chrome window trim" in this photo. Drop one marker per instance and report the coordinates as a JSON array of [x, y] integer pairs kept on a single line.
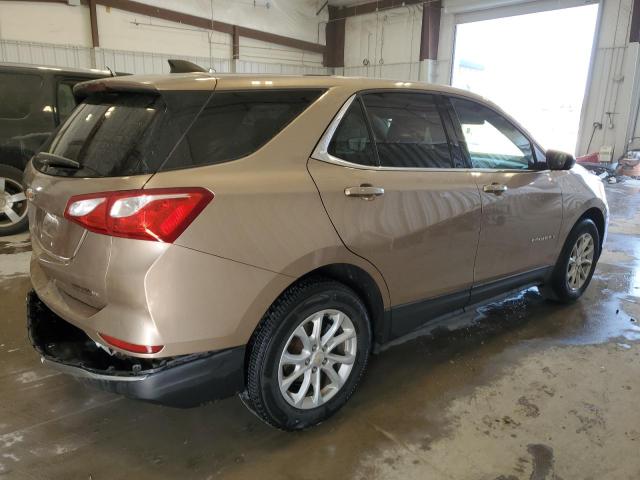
[[321, 152]]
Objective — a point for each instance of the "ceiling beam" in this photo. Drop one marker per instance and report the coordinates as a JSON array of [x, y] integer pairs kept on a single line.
[[235, 44], [337, 13], [335, 37], [280, 40], [634, 34], [169, 15], [93, 17], [430, 37]]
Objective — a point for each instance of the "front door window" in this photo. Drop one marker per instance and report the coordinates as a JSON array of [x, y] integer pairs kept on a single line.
[[492, 141]]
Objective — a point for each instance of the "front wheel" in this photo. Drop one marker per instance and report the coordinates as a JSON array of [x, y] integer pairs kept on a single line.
[[307, 355], [576, 264], [13, 201]]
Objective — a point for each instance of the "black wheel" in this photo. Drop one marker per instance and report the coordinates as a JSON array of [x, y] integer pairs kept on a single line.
[[13, 202], [307, 355], [575, 266]]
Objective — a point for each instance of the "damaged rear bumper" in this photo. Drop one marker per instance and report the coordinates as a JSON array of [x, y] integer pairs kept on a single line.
[[182, 381]]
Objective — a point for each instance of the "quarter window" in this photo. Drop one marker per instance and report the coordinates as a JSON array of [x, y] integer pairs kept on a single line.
[[408, 130], [351, 141], [236, 124], [492, 141]]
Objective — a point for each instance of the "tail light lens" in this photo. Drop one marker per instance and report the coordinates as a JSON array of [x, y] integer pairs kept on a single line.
[[159, 214], [131, 347]]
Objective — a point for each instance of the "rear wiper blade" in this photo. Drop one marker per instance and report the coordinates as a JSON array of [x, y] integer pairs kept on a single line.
[[54, 160]]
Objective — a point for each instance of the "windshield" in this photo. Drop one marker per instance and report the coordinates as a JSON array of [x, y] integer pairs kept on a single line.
[[108, 135]]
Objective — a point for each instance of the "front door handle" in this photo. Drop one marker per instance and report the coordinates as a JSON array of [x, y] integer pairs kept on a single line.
[[366, 192], [495, 188]]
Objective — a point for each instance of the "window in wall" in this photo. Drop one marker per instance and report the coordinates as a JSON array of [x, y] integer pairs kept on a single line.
[[408, 130], [492, 141], [503, 57]]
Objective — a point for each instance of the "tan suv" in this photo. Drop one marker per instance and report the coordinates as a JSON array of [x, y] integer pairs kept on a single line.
[[196, 236]]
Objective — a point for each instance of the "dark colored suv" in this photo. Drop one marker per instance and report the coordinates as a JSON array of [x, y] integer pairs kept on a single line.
[[34, 100]]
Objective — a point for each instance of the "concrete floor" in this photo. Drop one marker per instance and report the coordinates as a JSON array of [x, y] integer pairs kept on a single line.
[[519, 390]]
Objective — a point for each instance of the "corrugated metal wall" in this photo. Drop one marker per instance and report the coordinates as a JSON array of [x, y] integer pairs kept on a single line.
[[131, 61], [45, 54], [392, 71]]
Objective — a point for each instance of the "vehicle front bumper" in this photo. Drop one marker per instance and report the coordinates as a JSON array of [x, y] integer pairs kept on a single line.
[[182, 381]]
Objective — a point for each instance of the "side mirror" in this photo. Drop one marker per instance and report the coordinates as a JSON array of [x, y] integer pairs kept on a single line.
[[560, 160]]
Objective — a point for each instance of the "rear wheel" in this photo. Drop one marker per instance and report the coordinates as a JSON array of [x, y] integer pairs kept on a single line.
[[13, 201], [577, 261], [308, 354]]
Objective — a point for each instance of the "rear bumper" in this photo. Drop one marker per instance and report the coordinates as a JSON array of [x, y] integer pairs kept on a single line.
[[181, 381]]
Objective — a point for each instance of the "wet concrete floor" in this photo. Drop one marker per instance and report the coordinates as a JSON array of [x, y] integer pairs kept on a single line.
[[521, 389]]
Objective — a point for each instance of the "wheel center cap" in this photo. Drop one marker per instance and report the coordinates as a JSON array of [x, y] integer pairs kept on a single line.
[[317, 359], [3, 202]]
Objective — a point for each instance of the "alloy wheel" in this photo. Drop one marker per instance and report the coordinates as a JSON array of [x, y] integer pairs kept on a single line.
[[580, 261], [13, 202], [317, 359]]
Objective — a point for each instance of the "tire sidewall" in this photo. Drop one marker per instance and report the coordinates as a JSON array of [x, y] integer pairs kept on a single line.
[[335, 298], [561, 281]]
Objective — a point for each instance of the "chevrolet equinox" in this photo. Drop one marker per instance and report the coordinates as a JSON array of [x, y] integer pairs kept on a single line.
[[196, 236]]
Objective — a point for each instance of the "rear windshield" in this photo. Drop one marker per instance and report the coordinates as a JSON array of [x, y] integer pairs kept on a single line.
[[108, 135], [128, 134]]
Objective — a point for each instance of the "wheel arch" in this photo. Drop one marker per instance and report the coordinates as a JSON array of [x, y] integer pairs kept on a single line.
[[361, 282], [364, 285], [595, 215]]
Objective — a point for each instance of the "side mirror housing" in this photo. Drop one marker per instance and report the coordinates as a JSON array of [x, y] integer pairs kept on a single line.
[[557, 160]]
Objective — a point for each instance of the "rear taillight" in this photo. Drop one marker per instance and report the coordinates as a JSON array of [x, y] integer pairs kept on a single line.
[[159, 214]]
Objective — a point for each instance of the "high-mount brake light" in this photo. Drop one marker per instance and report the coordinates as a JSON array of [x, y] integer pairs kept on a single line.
[[159, 214]]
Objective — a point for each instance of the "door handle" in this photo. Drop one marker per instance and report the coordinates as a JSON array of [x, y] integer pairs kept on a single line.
[[495, 188], [365, 192]]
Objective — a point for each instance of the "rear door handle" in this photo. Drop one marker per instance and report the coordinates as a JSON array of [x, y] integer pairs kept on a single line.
[[495, 188], [366, 192]]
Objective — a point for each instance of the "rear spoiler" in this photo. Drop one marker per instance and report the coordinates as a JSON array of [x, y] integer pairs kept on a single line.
[[83, 89]]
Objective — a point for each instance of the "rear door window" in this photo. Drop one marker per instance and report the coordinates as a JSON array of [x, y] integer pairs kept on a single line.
[[237, 123], [408, 130], [18, 91]]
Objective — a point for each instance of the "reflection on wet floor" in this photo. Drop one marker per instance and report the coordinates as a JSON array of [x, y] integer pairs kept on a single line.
[[517, 389]]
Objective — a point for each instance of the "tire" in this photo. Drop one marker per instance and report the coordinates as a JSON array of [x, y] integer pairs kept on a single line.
[[563, 286], [13, 202], [312, 302]]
